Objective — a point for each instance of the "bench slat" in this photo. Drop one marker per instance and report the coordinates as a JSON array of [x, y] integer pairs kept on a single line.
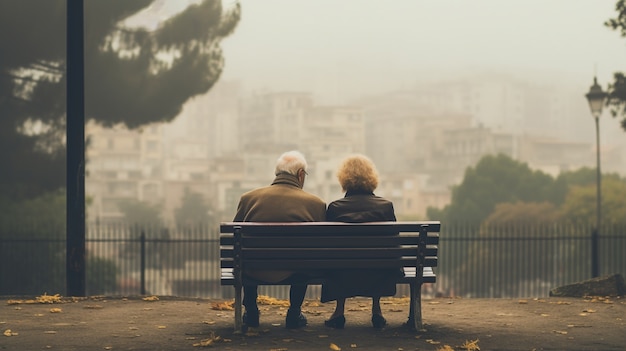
[[227, 277], [311, 264], [330, 227], [268, 240], [352, 252]]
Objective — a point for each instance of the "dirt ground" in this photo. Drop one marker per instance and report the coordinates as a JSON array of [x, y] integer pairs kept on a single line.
[[165, 323]]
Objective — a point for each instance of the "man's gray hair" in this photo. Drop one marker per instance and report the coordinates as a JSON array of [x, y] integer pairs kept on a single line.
[[290, 162]]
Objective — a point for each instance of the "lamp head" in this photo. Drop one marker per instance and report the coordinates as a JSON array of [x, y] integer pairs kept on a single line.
[[596, 97]]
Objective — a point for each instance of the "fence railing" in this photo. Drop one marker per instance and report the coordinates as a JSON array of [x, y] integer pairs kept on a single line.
[[501, 261]]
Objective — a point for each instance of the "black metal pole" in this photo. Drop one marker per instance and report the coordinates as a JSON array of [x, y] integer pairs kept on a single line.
[[142, 274], [75, 177], [595, 260]]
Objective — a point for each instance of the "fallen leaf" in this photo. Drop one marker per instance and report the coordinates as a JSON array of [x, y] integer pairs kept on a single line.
[[8, 332], [161, 327], [470, 345], [55, 310], [445, 348], [589, 310], [204, 343], [209, 341], [49, 298], [522, 302], [267, 300], [353, 346], [50, 332], [223, 306], [150, 298], [334, 347], [560, 332], [433, 342], [544, 315]]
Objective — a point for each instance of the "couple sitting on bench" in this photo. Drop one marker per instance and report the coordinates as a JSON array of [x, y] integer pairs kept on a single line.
[[285, 201]]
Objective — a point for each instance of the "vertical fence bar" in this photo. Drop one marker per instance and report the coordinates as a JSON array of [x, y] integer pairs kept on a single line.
[[142, 268], [595, 259]]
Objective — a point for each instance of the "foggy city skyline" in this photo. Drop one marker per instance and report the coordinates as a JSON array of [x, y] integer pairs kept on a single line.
[[343, 50], [415, 58]]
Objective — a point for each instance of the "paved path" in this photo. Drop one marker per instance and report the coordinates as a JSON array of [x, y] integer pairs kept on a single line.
[[116, 323]]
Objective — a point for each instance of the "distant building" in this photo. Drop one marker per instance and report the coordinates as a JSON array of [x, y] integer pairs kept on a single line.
[[122, 164]]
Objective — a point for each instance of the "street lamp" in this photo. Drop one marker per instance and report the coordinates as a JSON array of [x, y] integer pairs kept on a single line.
[[596, 97]]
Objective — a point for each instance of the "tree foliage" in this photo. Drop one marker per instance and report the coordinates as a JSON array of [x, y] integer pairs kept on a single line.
[[617, 89], [141, 213], [580, 177], [494, 180], [133, 76], [580, 203], [522, 213], [192, 211]]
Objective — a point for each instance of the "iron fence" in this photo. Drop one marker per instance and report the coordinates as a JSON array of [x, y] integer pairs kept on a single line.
[[474, 261]]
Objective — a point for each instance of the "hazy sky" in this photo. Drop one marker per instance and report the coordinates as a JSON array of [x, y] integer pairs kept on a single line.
[[341, 48]]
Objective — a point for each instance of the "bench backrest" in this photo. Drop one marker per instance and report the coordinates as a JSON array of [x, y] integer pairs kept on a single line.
[[322, 245]]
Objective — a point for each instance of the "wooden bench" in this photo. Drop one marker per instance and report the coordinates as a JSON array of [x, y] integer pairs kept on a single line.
[[315, 246]]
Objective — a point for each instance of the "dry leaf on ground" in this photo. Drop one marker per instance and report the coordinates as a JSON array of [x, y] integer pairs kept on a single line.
[[266, 300], [151, 298], [223, 306], [334, 347], [212, 339], [45, 298], [470, 345]]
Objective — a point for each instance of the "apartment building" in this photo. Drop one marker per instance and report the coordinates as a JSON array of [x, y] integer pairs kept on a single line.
[[122, 164]]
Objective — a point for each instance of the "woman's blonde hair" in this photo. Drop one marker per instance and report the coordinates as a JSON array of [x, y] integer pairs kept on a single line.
[[358, 173]]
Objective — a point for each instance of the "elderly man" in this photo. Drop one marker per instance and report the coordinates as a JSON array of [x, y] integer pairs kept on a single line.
[[282, 201]]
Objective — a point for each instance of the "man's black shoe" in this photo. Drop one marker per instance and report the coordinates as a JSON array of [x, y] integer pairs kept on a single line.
[[251, 319], [295, 321]]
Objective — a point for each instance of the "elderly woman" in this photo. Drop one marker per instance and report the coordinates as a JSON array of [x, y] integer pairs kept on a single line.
[[358, 178]]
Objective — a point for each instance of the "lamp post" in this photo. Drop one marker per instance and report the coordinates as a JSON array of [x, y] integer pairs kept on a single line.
[[596, 97]]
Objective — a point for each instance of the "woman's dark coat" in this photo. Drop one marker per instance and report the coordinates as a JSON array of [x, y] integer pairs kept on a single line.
[[357, 208]]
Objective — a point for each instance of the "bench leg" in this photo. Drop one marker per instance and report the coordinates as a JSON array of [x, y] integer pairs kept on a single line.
[[238, 307], [415, 310]]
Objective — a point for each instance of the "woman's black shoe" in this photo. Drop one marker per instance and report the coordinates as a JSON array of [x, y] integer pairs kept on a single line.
[[378, 321], [336, 323]]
